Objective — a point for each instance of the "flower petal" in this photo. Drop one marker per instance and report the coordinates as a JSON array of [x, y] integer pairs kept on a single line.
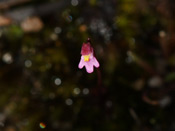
[[95, 62], [81, 64], [89, 67]]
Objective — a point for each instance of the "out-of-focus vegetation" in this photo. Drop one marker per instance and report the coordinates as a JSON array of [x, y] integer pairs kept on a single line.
[[41, 87]]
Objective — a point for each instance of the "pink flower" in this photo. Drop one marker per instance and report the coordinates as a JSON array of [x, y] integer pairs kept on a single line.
[[88, 59]]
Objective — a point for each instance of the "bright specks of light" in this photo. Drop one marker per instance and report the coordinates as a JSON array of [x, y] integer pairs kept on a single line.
[[165, 101], [42, 125], [130, 57], [85, 91], [76, 91], [28, 63], [155, 81], [69, 18], [74, 2], [101, 27], [53, 36], [58, 30], [83, 28], [162, 33], [57, 81], [7, 58], [69, 102]]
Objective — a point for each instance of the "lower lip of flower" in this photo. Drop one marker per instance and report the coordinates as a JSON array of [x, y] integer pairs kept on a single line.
[[86, 57]]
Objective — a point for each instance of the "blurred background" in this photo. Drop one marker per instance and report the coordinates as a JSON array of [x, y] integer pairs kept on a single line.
[[41, 87]]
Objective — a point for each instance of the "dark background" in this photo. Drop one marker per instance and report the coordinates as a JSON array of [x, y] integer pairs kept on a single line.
[[41, 87]]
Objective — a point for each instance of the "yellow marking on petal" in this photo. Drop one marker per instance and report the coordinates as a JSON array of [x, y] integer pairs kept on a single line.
[[86, 57]]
